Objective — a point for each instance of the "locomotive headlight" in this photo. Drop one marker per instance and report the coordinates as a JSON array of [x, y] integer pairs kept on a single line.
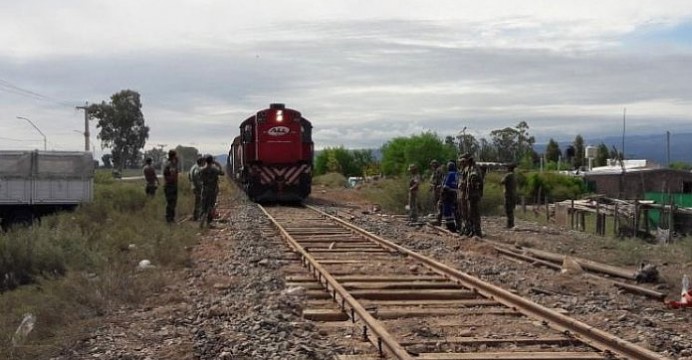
[[280, 116]]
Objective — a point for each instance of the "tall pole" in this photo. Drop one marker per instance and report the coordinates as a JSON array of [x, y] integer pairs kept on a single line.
[[624, 114], [668, 147], [45, 148], [86, 124]]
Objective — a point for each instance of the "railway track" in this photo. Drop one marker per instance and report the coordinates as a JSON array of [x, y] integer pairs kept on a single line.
[[412, 307]]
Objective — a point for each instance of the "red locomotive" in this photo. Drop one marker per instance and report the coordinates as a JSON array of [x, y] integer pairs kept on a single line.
[[272, 158]]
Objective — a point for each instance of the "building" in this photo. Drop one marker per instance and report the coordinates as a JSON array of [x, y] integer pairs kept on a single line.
[[636, 178]]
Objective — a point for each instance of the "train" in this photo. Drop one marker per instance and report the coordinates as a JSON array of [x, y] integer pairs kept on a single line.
[[272, 157]]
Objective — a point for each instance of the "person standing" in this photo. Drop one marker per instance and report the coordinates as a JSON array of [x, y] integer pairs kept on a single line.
[[449, 196], [462, 197], [196, 186], [474, 186], [510, 189], [150, 177], [413, 184], [209, 177], [170, 189], [436, 179]]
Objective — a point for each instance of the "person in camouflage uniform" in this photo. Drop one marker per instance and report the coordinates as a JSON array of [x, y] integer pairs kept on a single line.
[[170, 188], [474, 191], [209, 177], [436, 179], [509, 183], [413, 184], [196, 186], [462, 198]]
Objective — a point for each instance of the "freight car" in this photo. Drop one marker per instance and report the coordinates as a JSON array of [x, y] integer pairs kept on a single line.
[[37, 183], [271, 159]]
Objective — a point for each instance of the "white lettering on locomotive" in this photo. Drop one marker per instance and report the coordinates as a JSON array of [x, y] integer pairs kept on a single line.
[[278, 131]]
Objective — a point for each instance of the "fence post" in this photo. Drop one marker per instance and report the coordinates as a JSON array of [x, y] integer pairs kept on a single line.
[[615, 220], [598, 218], [636, 218], [571, 214], [547, 210], [523, 204]]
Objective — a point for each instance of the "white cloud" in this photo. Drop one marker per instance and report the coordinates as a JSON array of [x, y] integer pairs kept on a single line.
[[362, 71]]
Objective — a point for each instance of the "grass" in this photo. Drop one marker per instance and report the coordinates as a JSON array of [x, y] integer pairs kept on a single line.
[[392, 195], [331, 180], [673, 260], [74, 267]]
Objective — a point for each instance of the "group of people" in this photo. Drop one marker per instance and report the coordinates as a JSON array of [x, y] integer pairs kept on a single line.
[[457, 194], [204, 180]]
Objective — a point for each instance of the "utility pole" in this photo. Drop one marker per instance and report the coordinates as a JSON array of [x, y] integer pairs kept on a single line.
[[668, 148], [86, 124]]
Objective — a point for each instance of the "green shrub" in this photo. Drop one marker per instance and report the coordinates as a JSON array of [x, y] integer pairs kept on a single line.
[[556, 187], [330, 180], [84, 261]]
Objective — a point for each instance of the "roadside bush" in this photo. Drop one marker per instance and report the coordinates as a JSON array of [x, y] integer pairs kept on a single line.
[[555, 186], [24, 255], [83, 262], [330, 180]]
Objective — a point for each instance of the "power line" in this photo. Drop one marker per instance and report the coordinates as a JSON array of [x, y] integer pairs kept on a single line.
[[14, 89], [24, 140]]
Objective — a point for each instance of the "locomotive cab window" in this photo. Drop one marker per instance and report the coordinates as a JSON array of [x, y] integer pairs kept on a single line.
[[247, 133], [306, 132]]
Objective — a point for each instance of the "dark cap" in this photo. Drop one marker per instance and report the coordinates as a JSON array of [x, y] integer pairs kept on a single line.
[[172, 153]]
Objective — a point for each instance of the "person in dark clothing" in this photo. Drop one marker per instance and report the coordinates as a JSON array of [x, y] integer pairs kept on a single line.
[[509, 183], [413, 184], [170, 188], [436, 179], [462, 198], [209, 177], [449, 196], [150, 177], [474, 193]]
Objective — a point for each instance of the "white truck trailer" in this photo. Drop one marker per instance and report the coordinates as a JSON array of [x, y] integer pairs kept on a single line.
[[36, 183]]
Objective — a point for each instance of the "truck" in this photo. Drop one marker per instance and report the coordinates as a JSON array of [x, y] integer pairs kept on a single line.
[[36, 183]]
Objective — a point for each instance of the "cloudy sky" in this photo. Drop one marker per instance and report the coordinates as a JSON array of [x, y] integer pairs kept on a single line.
[[361, 71]]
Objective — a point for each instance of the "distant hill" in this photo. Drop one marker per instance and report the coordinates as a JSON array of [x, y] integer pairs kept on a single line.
[[650, 147]]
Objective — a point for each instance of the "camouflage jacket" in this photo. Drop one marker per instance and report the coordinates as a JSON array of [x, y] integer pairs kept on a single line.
[[436, 178], [209, 177], [474, 183]]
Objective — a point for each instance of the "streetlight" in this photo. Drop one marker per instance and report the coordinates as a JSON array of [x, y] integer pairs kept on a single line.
[[37, 129]]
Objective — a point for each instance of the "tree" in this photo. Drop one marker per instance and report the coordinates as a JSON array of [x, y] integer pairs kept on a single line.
[[363, 159], [187, 156], [157, 155], [525, 141], [400, 152], [578, 144], [602, 155], [344, 161], [552, 151], [486, 151], [513, 144], [122, 127], [569, 153], [506, 144], [468, 144]]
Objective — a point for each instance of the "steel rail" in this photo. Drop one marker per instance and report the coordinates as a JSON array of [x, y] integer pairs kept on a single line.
[[374, 325], [586, 333]]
